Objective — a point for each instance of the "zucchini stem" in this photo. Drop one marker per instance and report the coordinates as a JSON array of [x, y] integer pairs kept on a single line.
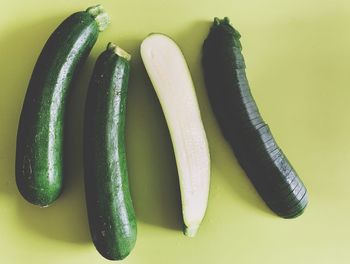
[[100, 16], [216, 21], [191, 231], [119, 51]]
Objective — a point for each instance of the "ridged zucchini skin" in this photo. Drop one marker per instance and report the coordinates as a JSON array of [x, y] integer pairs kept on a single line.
[[39, 149], [242, 125], [110, 210]]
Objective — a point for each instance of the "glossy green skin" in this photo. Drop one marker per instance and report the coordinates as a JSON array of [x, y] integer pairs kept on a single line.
[[242, 125], [39, 154], [110, 210]]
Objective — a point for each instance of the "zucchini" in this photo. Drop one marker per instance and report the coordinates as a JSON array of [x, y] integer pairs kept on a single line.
[[242, 125], [110, 210], [39, 150], [172, 82]]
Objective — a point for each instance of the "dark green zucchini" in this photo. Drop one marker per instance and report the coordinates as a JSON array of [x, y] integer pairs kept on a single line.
[[111, 215], [242, 125], [39, 154]]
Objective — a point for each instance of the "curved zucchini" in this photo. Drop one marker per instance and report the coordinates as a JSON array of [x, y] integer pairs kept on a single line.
[[242, 125], [110, 210], [171, 79], [39, 150]]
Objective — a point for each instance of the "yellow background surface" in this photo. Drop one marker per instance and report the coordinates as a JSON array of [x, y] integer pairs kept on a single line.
[[297, 54]]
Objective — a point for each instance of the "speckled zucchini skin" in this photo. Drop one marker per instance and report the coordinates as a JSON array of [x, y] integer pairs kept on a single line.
[[39, 153], [110, 210]]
